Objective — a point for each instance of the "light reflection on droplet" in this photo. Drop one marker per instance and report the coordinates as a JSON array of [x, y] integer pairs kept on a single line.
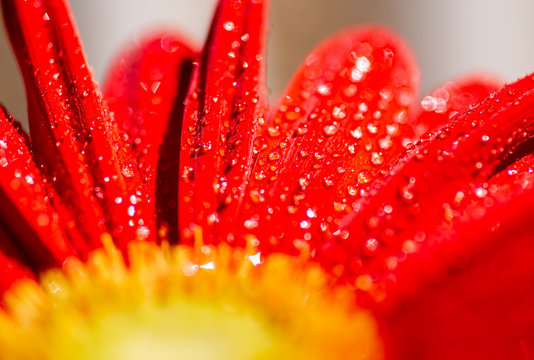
[[255, 259]]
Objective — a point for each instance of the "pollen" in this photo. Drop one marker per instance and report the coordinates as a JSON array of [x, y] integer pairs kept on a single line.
[[174, 302]]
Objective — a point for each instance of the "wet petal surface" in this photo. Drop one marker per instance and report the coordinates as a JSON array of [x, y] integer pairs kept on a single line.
[[146, 89], [73, 138]]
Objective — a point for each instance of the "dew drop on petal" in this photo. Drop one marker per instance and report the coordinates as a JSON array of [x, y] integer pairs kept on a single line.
[[255, 259], [377, 158], [331, 129], [251, 223], [356, 75], [311, 213], [364, 177], [338, 112], [228, 26], [127, 171], [324, 89], [305, 224], [356, 133], [371, 246]]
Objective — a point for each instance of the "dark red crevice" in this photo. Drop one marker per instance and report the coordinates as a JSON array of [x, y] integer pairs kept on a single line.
[[167, 173]]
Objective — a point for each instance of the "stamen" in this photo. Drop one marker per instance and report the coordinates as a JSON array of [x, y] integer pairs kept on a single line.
[[166, 304]]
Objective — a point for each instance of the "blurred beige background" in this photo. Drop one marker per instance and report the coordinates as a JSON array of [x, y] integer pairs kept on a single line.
[[450, 38]]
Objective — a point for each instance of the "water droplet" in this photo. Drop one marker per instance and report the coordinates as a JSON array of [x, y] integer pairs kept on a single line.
[[257, 196], [350, 90], [356, 133], [273, 131], [324, 89], [127, 171], [356, 75], [371, 246], [406, 191], [481, 192], [260, 144], [364, 177], [331, 129], [251, 223], [213, 218], [363, 64], [338, 112], [385, 143], [377, 158], [372, 128], [429, 103], [352, 190], [131, 210], [328, 182], [229, 26], [305, 224], [274, 155]]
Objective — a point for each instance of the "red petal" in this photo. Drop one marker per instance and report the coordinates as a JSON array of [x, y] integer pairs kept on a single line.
[[478, 304], [416, 205], [74, 140], [452, 264], [145, 90], [31, 226], [343, 117], [225, 104]]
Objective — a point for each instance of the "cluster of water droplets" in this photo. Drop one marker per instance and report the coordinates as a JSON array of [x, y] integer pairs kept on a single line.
[[337, 127], [452, 177]]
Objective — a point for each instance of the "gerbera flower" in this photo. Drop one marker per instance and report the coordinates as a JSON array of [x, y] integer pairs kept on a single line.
[[181, 216]]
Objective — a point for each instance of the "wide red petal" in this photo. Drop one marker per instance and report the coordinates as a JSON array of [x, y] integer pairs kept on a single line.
[[416, 204], [73, 138], [476, 298], [145, 90], [224, 106], [343, 117]]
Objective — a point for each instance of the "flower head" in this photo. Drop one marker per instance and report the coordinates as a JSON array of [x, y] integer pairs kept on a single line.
[[181, 215]]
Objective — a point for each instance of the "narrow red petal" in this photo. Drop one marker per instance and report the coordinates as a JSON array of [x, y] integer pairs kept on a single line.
[[145, 90], [73, 138], [416, 204], [32, 229], [343, 117], [224, 106]]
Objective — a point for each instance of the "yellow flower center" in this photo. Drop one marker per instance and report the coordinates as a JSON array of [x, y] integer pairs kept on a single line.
[[180, 302]]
